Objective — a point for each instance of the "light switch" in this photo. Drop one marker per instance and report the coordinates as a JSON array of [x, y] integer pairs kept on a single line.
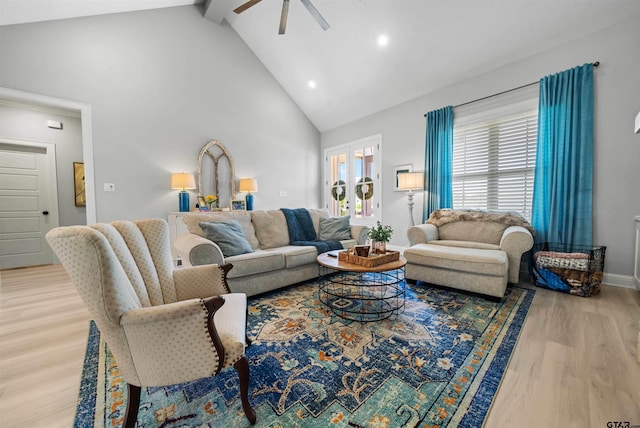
[[109, 187], [283, 193]]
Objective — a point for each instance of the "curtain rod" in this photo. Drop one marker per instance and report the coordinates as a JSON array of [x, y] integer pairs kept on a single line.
[[595, 64]]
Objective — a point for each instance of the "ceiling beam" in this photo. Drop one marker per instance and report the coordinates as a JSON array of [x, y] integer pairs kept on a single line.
[[215, 10]]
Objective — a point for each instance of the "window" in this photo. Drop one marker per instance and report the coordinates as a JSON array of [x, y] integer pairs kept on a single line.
[[494, 155]]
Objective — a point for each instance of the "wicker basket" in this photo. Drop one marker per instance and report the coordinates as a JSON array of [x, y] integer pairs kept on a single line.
[[574, 269], [350, 256]]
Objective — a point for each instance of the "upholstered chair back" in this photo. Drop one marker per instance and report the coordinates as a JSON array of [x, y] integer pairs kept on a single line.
[[163, 325], [118, 267]]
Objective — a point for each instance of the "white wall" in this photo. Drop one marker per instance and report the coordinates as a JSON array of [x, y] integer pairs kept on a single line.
[[24, 123], [161, 84], [617, 149]]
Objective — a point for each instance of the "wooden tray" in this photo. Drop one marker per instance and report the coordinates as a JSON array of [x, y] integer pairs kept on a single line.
[[350, 256]]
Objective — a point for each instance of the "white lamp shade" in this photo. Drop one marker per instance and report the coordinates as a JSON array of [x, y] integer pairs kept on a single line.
[[411, 181], [248, 185], [183, 181]]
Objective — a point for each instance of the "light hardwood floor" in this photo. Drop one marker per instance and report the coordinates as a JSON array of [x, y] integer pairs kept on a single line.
[[575, 364]]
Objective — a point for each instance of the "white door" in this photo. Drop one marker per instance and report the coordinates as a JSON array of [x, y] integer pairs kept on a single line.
[[352, 180], [28, 202]]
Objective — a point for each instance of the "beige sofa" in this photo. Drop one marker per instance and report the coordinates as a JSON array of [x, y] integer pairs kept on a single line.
[[271, 263], [475, 251]]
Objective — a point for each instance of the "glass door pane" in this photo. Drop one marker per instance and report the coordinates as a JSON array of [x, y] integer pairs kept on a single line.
[[364, 173], [338, 199]]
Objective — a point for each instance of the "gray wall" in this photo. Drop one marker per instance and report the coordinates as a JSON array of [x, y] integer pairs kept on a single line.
[[617, 150], [25, 123], [161, 84]]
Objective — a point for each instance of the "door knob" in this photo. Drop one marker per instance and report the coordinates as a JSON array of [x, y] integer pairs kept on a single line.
[[45, 212]]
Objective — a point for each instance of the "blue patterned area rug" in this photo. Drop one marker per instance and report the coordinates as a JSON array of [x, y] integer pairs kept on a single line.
[[438, 364]]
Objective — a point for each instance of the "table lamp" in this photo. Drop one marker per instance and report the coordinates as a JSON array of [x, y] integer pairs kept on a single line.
[[183, 181], [249, 185], [411, 181]]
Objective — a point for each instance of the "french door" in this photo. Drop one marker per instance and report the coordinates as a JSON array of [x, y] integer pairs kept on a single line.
[[352, 180]]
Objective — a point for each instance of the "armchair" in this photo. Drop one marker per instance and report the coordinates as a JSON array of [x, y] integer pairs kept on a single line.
[[163, 325]]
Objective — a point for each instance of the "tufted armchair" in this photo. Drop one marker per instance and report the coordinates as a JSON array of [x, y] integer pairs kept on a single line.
[[163, 325]]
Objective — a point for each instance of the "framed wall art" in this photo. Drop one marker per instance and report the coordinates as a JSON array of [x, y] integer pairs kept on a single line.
[[400, 170], [238, 205], [78, 184]]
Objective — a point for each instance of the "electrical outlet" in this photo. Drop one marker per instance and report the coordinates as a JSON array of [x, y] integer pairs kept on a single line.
[[109, 187], [283, 193]]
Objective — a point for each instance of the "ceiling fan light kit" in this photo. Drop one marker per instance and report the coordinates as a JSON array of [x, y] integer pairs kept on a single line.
[[285, 12]]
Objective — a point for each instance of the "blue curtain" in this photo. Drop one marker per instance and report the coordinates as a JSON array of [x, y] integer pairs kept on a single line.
[[438, 160], [562, 193]]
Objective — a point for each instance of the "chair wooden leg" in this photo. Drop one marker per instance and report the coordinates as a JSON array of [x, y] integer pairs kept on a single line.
[[133, 403], [242, 367]]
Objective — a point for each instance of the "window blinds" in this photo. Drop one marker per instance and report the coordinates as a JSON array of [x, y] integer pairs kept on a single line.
[[494, 155]]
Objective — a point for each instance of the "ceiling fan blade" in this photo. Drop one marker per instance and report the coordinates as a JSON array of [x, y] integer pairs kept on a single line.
[[283, 17], [314, 12], [246, 6]]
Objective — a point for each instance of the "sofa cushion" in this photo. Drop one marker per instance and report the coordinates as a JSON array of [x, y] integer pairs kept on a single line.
[[259, 261], [192, 221], [486, 231], [348, 243], [228, 235], [271, 228], [465, 244], [486, 262], [296, 255], [316, 214], [334, 228]]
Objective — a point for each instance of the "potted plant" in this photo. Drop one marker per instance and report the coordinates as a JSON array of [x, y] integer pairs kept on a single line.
[[379, 236]]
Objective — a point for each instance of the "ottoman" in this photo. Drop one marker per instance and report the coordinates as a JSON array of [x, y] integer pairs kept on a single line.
[[483, 271]]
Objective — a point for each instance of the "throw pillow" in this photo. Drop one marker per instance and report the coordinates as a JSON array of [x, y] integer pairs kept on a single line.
[[271, 228], [335, 228], [193, 220], [364, 235], [228, 235]]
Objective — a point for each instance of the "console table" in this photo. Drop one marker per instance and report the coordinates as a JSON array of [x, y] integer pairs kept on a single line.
[[176, 227]]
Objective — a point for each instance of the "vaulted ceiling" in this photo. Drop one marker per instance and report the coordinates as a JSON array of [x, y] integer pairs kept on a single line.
[[431, 43]]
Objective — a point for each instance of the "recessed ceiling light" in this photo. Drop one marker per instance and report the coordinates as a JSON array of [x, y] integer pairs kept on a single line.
[[312, 84], [383, 40]]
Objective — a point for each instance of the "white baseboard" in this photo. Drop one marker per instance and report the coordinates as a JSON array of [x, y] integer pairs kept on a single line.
[[625, 281]]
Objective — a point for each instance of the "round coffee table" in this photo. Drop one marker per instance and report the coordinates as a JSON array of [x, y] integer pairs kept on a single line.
[[361, 293]]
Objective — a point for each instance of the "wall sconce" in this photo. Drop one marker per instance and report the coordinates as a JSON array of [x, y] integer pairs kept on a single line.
[[638, 123], [183, 181], [249, 185], [411, 181]]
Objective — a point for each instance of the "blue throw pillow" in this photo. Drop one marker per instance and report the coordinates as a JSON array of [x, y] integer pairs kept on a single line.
[[228, 235], [334, 229]]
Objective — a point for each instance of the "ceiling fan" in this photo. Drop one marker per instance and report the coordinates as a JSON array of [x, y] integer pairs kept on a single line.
[[285, 11]]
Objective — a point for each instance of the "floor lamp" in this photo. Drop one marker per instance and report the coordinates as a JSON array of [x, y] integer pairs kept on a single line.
[[411, 181]]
